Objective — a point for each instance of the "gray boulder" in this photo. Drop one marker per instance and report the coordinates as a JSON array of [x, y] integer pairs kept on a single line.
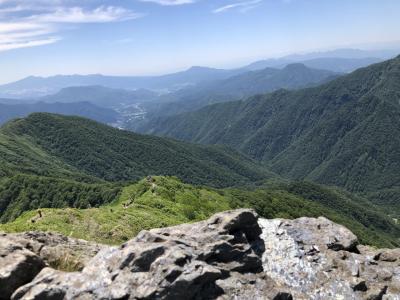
[[190, 261], [318, 259], [232, 255], [56, 249], [18, 266]]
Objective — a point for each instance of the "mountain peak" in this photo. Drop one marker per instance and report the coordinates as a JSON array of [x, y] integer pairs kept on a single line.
[[296, 66], [201, 69], [198, 68]]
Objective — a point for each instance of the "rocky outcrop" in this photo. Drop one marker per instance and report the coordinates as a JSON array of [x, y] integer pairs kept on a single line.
[[55, 249], [318, 259], [18, 266], [233, 255], [24, 255]]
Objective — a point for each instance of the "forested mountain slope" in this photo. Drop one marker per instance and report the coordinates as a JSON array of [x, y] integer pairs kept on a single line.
[[293, 76], [164, 201], [345, 133], [111, 154], [51, 160]]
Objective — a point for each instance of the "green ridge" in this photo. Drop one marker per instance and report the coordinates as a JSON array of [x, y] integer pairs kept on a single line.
[[145, 205], [57, 161], [111, 154], [26, 192], [166, 201]]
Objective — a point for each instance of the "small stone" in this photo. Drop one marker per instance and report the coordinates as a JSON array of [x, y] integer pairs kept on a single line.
[[389, 255], [360, 286], [384, 275]]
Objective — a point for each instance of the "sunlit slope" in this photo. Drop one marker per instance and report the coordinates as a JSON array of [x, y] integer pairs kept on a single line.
[[164, 201]]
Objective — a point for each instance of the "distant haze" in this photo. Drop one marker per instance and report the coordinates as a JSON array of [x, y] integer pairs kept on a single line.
[[337, 61], [136, 37]]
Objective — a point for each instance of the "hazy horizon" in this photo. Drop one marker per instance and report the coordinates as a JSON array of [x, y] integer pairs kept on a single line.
[[154, 37]]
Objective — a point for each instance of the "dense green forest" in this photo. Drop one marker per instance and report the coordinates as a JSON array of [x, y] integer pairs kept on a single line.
[[344, 133], [26, 192], [164, 201], [57, 161], [60, 144]]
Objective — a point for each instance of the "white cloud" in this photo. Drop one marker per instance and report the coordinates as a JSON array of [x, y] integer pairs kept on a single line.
[[170, 2], [22, 35], [242, 6], [18, 27], [12, 9], [40, 22], [102, 14], [27, 44]]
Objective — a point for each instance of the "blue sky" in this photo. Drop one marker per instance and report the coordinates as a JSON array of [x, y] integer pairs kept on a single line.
[[142, 37]]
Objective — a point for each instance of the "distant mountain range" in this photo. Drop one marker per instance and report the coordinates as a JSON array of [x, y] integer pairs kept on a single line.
[[32, 87], [112, 101], [102, 96], [106, 105], [347, 53], [130, 108], [344, 133], [335, 64], [83, 109], [341, 60], [244, 85], [292, 76]]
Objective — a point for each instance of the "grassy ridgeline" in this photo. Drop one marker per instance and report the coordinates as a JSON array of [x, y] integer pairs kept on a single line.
[[144, 205], [166, 201], [21, 193]]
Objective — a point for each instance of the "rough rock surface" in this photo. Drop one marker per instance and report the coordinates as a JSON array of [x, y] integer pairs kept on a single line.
[[233, 255], [24, 255], [17, 267], [319, 259], [56, 249]]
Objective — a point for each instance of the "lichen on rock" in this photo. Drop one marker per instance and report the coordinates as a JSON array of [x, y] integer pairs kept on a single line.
[[232, 255]]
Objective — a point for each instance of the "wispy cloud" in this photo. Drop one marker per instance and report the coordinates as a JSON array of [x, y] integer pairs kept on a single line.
[[102, 14], [40, 22], [243, 6], [27, 43], [15, 35], [170, 2]]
